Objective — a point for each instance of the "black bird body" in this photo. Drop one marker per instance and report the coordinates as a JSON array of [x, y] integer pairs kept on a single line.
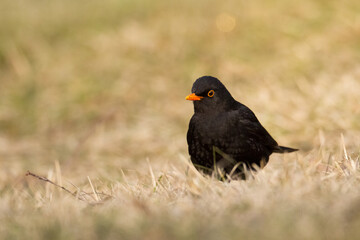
[[224, 133]]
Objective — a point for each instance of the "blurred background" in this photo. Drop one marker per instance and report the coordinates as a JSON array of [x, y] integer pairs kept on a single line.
[[100, 85]]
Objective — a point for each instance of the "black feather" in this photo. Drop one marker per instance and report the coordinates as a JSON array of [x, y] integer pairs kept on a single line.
[[282, 149]]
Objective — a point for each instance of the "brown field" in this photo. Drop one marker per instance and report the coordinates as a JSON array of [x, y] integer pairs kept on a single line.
[[92, 97]]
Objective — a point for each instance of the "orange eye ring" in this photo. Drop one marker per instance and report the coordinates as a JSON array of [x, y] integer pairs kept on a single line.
[[211, 93]]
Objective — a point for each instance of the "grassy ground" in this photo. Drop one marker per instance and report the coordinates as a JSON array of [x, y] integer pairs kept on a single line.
[[92, 93]]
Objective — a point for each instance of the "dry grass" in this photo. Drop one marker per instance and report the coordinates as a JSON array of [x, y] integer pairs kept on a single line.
[[92, 98]]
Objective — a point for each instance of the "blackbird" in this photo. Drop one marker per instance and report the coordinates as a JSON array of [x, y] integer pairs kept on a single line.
[[224, 135]]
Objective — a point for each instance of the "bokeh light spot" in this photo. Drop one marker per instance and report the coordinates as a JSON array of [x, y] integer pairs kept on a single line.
[[225, 22]]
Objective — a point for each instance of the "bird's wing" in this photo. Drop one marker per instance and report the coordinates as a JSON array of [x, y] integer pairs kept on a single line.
[[249, 125]]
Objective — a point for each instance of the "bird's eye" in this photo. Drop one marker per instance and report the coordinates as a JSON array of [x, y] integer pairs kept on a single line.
[[211, 93]]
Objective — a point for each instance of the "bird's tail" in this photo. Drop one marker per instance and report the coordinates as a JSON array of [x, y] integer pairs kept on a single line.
[[281, 149]]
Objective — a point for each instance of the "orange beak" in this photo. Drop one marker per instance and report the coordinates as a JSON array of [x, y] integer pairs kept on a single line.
[[193, 97]]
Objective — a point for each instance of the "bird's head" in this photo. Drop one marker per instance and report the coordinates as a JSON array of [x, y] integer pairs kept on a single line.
[[210, 95]]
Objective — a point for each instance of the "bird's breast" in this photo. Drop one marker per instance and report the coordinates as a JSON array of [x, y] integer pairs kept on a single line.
[[215, 128]]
